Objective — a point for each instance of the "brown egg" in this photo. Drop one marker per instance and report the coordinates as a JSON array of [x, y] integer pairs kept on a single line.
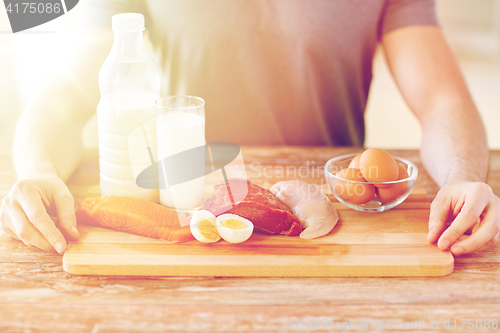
[[396, 190], [353, 192], [355, 162], [377, 165]]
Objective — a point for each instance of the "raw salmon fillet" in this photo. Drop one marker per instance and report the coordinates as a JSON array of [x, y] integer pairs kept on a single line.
[[267, 213], [134, 216]]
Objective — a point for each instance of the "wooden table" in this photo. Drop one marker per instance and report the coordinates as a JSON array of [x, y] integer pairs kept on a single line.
[[37, 295]]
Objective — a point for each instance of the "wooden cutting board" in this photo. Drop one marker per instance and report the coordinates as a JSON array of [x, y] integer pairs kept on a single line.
[[391, 243]]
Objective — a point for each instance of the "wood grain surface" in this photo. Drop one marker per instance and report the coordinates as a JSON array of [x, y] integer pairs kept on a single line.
[[37, 295]]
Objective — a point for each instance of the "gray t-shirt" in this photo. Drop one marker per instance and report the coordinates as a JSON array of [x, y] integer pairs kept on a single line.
[[292, 72]]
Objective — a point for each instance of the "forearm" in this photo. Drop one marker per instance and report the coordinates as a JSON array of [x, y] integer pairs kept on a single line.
[[48, 140], [49, 135], [454, 146]]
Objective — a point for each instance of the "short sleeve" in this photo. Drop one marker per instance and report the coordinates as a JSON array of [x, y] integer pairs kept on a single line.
[[99, 12], [402, 13]]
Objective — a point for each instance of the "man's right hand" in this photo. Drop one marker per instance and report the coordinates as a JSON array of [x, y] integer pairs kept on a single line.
[[26, 213]]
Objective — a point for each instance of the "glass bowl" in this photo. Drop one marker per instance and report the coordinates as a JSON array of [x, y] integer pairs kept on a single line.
[[387, 194]]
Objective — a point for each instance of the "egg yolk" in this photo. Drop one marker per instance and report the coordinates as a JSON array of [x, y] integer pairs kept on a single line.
[[233, 224], [208, 230]]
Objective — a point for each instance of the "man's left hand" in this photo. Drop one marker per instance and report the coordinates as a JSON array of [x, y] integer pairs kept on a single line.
[[469, 206]]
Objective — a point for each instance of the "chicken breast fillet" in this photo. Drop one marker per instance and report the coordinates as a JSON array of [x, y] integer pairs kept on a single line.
[[315, 211]]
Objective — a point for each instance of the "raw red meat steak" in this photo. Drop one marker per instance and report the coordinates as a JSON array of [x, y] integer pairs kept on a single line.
[[268, 214]]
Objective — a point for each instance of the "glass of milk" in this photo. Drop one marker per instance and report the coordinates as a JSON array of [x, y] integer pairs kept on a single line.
[[180, 127]]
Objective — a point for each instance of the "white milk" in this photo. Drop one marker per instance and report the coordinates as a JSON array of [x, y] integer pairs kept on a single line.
[[177, 132], [123, 142]]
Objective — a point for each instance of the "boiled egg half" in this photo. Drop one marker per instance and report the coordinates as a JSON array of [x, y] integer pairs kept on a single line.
[[233, 228], [203, 227], [207, 228]]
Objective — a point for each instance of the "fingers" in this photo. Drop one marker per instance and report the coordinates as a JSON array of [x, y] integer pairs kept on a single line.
[[13, 235], [65, 207], [18, 227], [37, 215], [484, 236], [26, 231], [6, 224], [489, 244], [4, 221], [24, 210], [469, 214], [440, 210]]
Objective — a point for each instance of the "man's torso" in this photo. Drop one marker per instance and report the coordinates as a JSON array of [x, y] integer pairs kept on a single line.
[[271, 72]]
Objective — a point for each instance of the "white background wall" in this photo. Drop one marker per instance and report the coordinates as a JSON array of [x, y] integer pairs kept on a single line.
[[472, 27], [9, 107]]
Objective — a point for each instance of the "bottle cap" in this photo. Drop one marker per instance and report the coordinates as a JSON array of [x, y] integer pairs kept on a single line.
[[127, 22]]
